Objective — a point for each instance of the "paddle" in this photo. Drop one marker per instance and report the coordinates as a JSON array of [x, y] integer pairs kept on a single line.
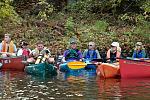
[[97, 60], [76, 65]]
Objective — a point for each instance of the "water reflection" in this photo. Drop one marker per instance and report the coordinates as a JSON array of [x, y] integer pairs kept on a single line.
[[135, 88], [82, 85], [109, 88]]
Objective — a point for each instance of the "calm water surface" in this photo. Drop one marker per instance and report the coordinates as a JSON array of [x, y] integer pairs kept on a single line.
[[85, 86]]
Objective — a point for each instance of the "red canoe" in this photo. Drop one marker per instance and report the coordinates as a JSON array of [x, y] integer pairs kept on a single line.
[[107, 70], [134, 68], [13, 64]]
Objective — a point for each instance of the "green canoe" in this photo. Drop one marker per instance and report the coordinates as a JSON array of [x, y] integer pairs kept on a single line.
[[42, 70]]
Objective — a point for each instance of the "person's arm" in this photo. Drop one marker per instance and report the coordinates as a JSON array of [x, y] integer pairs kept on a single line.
[[98, 54], [29, 51], [15, 49], [0, 47], [33, 53], [19, 53], [108, 54], [64, 57], [134, 54], [118, 54], [80, 55], [84, 54], [143, 54]]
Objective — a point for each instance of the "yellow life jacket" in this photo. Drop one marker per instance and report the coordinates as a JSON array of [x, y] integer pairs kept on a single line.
[[42, 56]]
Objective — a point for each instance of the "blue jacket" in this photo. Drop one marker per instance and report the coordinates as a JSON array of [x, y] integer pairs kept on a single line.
[[139, 54], [91, 54]]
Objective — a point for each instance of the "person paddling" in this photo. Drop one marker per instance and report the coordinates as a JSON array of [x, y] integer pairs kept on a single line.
[[7, 46], [91, 52], [114, 52], [40, 53], [139, 51]]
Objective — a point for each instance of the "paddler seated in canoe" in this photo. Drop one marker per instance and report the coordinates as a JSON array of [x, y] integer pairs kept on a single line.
[[114, 52], [71, 54], [7, 47], [24, 51], [40, 54], [91, 52], [139, 51]]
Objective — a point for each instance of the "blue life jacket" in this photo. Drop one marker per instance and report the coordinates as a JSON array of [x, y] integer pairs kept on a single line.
[[139, 54], [91, 56]]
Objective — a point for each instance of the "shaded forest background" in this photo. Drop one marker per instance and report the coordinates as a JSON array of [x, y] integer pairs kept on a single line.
[[56, 21]]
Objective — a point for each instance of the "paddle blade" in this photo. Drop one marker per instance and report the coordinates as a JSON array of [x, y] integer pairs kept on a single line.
[[76, 65]]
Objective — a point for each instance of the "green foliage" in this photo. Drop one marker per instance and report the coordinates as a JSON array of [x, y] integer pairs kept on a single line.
[[128, 33], [101, 21], [143, 31], [100, 26], [7, 12], [46, 10], [69, 26], [146, 6]]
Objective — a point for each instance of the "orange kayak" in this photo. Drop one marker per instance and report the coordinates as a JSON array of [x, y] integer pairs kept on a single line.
[[107, 70]]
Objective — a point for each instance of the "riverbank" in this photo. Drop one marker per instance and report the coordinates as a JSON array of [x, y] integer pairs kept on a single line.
[[58, 26]]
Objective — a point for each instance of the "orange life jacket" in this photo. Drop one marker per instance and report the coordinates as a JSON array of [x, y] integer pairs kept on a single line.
[[10, 47]]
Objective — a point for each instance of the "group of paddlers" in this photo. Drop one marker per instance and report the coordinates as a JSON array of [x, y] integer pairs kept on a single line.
[[42, 53]]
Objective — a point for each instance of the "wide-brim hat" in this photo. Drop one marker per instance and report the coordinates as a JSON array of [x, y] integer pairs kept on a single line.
[[115, 44], [139, 43]]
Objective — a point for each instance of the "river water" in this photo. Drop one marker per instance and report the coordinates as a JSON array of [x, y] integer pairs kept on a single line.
[[85, 86]]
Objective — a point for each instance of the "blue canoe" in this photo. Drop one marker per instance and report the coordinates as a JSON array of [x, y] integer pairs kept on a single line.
[[64, 67]]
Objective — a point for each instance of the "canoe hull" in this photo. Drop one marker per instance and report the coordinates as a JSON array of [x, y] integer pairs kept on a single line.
[[42, 69], [107, 70], [91, 67], [12, 64], [65, 68], [134, 69]]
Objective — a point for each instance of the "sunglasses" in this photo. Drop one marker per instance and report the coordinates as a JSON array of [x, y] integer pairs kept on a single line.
[[90, 45], [138, 45], [73, 43]]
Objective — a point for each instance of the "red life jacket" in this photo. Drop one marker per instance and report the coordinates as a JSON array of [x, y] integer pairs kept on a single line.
[[25, 52]]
